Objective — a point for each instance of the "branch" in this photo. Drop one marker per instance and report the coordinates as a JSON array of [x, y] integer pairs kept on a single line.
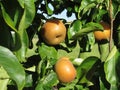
[[111, 21]]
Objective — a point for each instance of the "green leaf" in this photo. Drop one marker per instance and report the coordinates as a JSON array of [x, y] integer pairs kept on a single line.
[[14, 69], [89, 27], [102, 87], [48, 56], [47, 51], [115, 9], [84, 67], [49, 10], [98, 15], [7, 18], [28, 15], [26, 20], [16, 45], [93, 52], [29, 80], [50, 80], [21, 2], [80, 87], [47, 82], [3, 84], [74, 28], [39, 86], [86, 43], [16, 16], [110, 68], [74, 52], [85, 5], [66, 88], [6, 34], [76, 8], [88, 7], [4, 79], [21, 53], [104, 51], [69, 86], [118, 35]]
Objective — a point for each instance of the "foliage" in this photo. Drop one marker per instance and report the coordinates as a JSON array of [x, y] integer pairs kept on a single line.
[[27, 63]]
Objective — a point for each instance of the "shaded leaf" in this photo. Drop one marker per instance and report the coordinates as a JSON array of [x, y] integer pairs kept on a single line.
[[6, 34], [115, 8], [102, 87], [16, 41], [21, 53], [98, 15]]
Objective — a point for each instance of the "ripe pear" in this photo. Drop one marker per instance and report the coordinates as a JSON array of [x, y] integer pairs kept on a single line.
[[53, 32]]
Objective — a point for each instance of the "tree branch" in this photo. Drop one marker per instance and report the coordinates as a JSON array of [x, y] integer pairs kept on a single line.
[[111, 22]]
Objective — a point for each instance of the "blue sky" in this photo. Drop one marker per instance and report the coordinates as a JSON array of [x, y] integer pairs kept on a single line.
[[63, 15]]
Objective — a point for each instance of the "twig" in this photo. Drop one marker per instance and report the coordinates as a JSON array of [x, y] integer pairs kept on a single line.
[[111, 21]]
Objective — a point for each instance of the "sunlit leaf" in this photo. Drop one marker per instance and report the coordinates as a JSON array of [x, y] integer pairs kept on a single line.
[[88, 7], [28, 15], [47, 51], [26, 20], [85, 3], [39, 86], [110, 68], [89, 27], [48, 82], [93, 52], [4, 79], [104, 51], [7, 18], [21, 2], [74, 28], [14, 69], [3, 84], [49, 10]]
